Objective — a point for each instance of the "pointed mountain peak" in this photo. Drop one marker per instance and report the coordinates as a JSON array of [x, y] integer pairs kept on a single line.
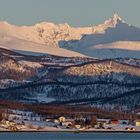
[[110, 23], [116, 17], [114, 20]]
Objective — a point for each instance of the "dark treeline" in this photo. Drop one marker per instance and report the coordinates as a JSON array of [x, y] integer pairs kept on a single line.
[[67, 111]]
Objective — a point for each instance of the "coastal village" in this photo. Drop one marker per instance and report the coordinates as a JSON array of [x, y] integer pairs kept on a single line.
[[17, 120]]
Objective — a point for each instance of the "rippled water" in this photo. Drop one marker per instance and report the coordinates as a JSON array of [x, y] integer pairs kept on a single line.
[[68, 136]]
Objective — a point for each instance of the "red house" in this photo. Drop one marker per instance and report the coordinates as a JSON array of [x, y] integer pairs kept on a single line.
[[114, 121]]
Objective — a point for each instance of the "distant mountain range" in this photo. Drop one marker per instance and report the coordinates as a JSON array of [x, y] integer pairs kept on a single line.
[[59, 64], [112, 39]]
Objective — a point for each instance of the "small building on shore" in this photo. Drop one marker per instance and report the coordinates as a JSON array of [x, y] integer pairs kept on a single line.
[[137, 122], [114, 121], [62, 119]]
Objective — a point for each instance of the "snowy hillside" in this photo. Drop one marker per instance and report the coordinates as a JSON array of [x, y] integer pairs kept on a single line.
[[28, 39], [120, 49], [78, 80], [35, 49]]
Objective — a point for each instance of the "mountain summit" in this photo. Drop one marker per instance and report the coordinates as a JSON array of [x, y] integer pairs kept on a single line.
[[111, 22], [114, 20]]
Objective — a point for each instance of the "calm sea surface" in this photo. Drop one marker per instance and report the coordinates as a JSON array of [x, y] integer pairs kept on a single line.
[[68, 136]]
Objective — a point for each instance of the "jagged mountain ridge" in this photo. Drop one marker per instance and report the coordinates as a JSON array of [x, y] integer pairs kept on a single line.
[[50, 33], [44, 33], [118, 40], [82, 40]]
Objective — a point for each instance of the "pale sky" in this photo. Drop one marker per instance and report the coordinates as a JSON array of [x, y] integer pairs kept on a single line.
[[74, 12]]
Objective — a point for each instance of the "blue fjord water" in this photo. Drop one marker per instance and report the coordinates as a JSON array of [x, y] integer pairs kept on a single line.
[[68, 136]]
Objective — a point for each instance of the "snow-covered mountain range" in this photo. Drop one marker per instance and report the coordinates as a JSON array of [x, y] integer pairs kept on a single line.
[[48, 61], [113, 38]]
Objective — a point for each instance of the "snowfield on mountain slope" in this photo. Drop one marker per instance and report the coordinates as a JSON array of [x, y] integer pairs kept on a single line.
[[120, 49], [35, 49]]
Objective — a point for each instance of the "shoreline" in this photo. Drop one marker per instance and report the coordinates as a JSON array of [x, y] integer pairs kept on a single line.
[[68, 131]]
